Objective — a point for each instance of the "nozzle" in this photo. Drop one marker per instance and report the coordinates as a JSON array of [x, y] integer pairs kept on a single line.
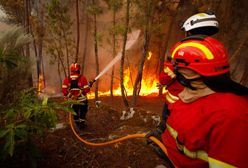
[[91, 82]]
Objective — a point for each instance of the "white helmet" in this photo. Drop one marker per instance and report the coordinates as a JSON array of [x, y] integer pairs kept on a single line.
[[201, 23]]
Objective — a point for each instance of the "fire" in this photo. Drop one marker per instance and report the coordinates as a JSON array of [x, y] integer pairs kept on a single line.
[[149, 55], [148, 84], [41, 83]]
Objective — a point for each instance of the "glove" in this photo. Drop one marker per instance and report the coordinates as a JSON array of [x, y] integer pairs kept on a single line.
[[91, 83], [159, 85], [156, 133]]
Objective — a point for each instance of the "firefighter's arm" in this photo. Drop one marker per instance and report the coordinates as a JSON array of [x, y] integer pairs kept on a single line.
[[85, 88], [166, 76], [159, 85], [65, 87]]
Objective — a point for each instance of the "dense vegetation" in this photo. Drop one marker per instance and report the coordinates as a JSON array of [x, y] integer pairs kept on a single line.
[[45, 31]]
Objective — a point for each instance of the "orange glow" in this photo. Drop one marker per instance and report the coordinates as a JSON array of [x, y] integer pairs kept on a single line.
[[148, 84], [41, 83], [149, 55]]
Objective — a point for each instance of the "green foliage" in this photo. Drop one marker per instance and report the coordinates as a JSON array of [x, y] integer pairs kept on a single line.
[[94, 9], [9, 59], [26, 118], [13, 65], [153, 15], [59, 42], [118, 29], [14, 9], [114, 5], [58, 17], [11, 42], [99, 38], [145, 11]]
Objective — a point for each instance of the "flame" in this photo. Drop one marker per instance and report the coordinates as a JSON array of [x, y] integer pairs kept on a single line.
[[148, 84], [149, 55], [41, 83]]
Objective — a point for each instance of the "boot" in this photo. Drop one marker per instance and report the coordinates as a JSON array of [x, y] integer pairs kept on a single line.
[[78, 125], [82, 124]]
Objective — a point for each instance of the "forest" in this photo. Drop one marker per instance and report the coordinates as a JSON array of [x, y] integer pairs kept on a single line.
[[121, 46]]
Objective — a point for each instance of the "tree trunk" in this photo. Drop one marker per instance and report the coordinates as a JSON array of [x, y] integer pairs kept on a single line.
[[137, 83], [60, 77], [85, 38], [27, 26], [66, 46], [170, 18], [78, 32], [67, 52], [164, 42], [96, 52], [125, 101], [40, 64], [114, 53], [62, 63]]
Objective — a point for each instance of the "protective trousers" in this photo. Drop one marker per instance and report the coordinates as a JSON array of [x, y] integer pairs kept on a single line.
[[81, 111]]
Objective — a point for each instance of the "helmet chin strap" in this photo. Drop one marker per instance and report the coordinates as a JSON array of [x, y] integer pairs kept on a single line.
[[184, 81]]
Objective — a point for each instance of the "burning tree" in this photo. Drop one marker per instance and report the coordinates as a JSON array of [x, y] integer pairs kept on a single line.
[[147, 8]]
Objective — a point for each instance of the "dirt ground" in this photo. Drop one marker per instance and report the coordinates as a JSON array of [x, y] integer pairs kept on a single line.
[[61, 149]]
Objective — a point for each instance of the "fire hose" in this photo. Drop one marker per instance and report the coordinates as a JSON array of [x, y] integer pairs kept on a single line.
[[131, 136]]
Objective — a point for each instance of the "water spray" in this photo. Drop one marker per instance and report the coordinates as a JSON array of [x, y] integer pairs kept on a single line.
[[110, 64], [134, 37]]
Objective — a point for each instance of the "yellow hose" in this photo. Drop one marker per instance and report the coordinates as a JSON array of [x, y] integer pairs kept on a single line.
[[155, 140]]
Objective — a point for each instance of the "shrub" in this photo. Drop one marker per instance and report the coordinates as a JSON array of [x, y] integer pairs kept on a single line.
[[28, 117]]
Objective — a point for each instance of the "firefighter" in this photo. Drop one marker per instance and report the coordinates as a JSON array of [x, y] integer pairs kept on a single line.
[[76, 87], [198, 24], [201, 23], [207, 126]]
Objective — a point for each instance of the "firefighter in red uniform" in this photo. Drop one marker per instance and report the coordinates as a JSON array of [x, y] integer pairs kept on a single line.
[[198, 24], [76, 87], [207, 126]]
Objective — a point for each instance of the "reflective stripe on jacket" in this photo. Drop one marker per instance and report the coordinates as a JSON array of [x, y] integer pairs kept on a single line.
[[209, 132], [200, 154], [76, 93], [173, 87]]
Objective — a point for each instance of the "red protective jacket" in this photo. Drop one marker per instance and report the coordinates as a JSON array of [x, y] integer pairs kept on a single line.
[[173, 87], [78, 93], [212, 128]]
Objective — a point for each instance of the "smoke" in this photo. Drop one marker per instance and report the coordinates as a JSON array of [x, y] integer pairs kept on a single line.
[[132, 39]]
